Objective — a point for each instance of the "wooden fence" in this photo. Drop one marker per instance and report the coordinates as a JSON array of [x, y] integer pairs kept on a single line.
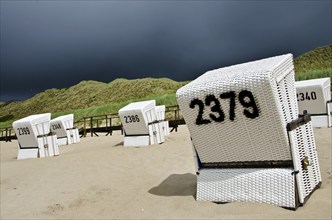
[[92, 125]]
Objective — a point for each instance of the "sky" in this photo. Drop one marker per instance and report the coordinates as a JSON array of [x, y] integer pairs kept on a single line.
[[57, 44]]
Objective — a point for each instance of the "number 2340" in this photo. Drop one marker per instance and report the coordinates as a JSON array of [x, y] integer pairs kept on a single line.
[[245, 98]]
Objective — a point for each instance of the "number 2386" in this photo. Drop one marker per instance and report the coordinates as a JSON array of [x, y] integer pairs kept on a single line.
[[131, 118], [245, 98]]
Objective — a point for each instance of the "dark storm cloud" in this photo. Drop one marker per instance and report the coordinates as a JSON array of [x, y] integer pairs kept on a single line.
[[59, 43]]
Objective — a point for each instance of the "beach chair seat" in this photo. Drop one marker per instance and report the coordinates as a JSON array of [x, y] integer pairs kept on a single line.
[[248, 138]]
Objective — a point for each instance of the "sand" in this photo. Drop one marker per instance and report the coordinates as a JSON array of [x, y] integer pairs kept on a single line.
[[100, 179]]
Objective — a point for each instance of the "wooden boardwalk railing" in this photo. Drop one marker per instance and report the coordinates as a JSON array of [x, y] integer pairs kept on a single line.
[[7, 134], [92, 125]]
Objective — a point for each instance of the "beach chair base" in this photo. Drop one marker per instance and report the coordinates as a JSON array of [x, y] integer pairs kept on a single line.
[[62, 141], [283, 184], [48, 146], [321, 121], [77, 135], [161, 132], [73, 136], [136, 141], [156, 134], [27, 153], [165, 128], [274, 186]]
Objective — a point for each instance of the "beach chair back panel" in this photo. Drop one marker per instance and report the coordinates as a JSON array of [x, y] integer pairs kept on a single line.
[[27, 129], [25, 134], [313, 95], [134, 122], [136, 116], [240, 113], [60, 124], [58, 127]]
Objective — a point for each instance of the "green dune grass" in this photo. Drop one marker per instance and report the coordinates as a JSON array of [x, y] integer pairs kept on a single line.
[[314, 64]]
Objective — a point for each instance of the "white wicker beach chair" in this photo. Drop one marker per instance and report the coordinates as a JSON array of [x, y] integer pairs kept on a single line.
[[249, 143], [64, 128], [140, 124], [34, 137]]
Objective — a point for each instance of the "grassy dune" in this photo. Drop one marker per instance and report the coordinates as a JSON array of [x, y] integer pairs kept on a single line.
[[89, 98], [314, 64]]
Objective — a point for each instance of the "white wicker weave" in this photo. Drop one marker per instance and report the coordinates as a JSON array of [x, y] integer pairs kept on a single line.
[[247, 185], [307, 179], [238, 118], [244, 139]]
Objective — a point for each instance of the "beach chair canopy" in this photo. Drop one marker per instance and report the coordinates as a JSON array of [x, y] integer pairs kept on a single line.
[[240, 113]]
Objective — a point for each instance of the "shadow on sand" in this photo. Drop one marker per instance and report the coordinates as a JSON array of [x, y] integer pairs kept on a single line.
[[119, 144], [176, 185]]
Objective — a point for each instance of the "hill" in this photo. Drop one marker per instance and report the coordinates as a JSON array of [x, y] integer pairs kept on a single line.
[[314, 64], [87, 95], [92, 98]]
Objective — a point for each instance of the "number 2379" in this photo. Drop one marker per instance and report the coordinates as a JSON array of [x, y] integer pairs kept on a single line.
[[245, 98]]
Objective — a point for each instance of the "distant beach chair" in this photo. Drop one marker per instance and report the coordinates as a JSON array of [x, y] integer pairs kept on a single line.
[[64, 128], [140, 124], [314, 97], [160, 111], [34, 137], [249, 142]]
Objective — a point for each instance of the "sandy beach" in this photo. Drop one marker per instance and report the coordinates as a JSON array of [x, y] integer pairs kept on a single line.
[[100, 179]]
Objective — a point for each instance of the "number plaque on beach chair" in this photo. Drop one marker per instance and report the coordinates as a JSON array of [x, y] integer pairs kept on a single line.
[[34, 137], [314, 97], [140, 124], [64, 128], [248, 139]]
